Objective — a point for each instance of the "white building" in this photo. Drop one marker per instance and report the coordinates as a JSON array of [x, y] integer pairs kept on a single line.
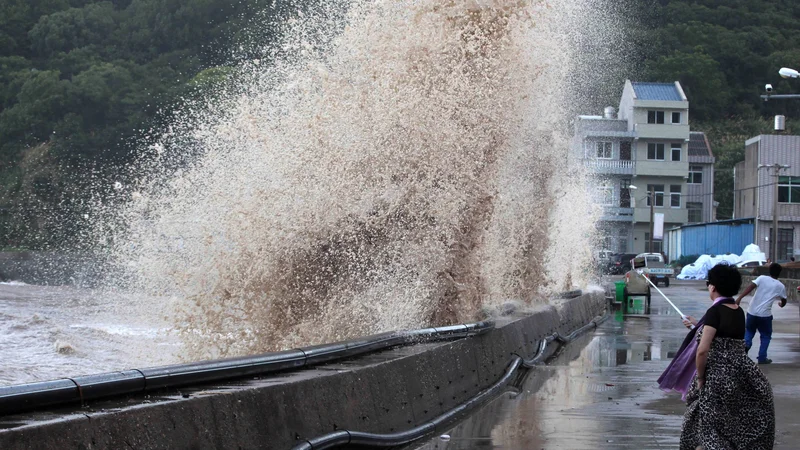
[[644, 145]]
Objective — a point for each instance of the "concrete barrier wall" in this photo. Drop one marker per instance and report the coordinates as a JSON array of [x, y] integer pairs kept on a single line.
[[383, 392], [791, 287]]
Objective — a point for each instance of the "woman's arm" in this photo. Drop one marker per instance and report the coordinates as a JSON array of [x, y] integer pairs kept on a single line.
[[702, 354]]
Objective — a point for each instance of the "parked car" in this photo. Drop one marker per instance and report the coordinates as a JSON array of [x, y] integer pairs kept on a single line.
[[620, 263], [602, 260], [751, 263]]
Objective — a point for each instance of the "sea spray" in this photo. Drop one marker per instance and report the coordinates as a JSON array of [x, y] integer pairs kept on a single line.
[[391, 164]]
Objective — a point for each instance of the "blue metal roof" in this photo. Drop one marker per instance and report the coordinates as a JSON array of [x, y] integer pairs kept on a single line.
[[741, 221], [657, 91]]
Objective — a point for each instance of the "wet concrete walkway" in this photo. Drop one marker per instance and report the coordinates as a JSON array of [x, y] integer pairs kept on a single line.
[[601, 391]]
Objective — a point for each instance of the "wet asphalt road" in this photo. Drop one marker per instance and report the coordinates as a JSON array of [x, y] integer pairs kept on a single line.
[[601, 391]]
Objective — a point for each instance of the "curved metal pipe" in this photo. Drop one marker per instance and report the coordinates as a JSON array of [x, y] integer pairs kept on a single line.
[[338, 438], [541, 354], [570, 294], [593, 324], [346, 437]]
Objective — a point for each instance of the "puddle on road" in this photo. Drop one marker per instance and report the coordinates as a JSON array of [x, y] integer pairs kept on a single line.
[[600, 392]]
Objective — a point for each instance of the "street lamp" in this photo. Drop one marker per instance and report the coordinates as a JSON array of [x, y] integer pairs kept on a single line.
[[786, 72], [652, 198]]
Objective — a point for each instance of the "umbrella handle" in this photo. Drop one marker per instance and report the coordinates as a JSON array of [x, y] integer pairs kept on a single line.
[[662, 294]]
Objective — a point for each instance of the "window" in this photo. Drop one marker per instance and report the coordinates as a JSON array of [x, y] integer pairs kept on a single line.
[[676, 117], [655, 117], [695, 211], [658, 244], [655, 151], [695, 175], [675, 196], [625, 150], [604, 150], [623, 241], [658, 193], [625, 193], [789, 189], [785, 242], [676, 152], [605, 194]]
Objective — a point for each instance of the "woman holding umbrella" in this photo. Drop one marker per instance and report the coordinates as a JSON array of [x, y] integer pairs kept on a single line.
[[729, 401]]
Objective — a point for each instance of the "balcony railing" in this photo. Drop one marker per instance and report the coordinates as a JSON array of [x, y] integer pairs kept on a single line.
[[610, 166], [617, 214]]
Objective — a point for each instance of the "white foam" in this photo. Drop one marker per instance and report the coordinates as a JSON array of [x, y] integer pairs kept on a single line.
[[121, 330]]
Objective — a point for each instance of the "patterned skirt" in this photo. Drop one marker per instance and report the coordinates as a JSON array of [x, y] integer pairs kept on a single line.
[[735, 408]]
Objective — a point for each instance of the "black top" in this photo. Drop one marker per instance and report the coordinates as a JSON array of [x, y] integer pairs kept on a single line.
[[728, 322]]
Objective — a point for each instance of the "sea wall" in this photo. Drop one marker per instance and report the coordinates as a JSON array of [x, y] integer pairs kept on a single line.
[[381, 392], [790, 283]]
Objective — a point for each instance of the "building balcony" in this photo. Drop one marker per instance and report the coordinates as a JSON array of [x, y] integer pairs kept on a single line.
[[662, 131], [671, 215], [610, 166], [617, 214], [678, 169]]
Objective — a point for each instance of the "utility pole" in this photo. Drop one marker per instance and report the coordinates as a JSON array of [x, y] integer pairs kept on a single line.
[[756, 236], [757, 193], [652, 204], [774, 245], [776, 169]]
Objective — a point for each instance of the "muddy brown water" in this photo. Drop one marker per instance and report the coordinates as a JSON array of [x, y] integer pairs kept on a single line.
[[49, 332]]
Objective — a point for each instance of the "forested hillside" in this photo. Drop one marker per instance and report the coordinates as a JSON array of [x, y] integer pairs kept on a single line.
[[723, 52], [81, 79]]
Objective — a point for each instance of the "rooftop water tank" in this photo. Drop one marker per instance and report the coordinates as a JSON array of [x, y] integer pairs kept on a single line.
[[780, 123], [609, 113]]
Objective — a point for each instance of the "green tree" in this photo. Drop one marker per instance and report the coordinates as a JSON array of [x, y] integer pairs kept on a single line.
[[702, 81], [73, 28], [39, 102], [16, 18], [14, 70]]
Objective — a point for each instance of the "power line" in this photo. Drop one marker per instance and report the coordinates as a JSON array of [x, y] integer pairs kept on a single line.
[[706, 194]]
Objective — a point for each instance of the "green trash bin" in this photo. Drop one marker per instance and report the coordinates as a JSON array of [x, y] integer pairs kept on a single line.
[[620, 286]]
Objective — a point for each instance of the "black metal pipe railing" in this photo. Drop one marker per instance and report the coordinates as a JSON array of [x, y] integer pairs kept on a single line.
[[339, 438], [77, 390]]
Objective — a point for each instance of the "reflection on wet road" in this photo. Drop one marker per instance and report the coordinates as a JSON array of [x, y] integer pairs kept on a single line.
[[601, 391]]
